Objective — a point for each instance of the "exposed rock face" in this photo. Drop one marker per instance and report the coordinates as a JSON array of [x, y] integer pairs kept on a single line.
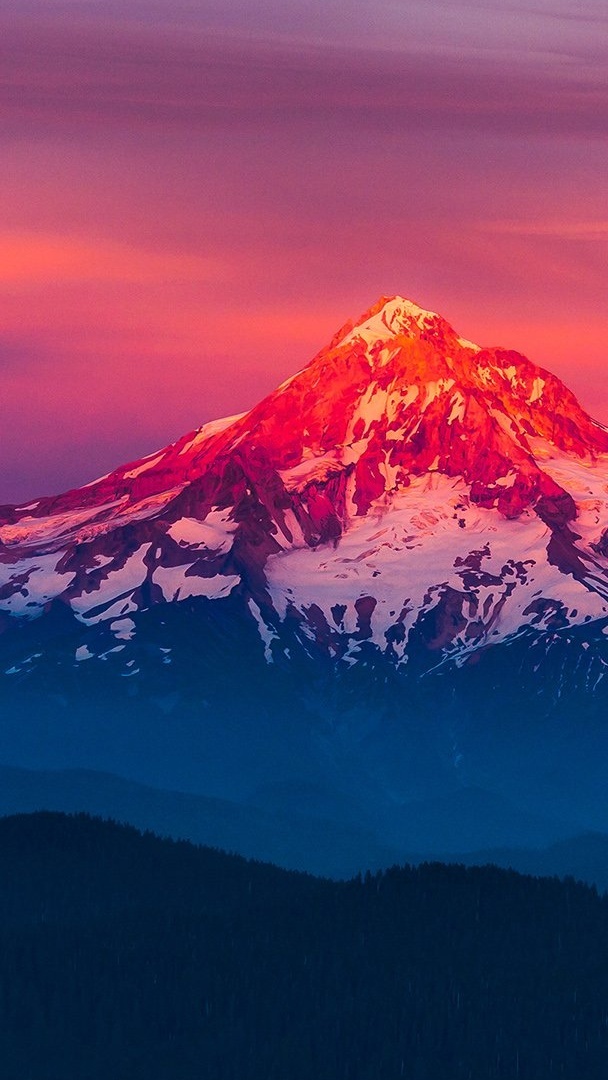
[[405, 487]]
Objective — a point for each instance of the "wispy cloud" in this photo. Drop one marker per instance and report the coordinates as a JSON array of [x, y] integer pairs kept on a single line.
[[559, 230], [58, 75], [31, 259], [188, 218], [567, 13]]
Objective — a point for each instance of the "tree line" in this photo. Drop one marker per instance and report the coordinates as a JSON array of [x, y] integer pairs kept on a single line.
[[128, 956]]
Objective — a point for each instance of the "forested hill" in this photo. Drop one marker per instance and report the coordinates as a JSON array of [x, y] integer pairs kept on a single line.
[[129, 957]]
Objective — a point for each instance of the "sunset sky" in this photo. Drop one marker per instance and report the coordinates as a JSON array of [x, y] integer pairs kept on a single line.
[[195, 196]]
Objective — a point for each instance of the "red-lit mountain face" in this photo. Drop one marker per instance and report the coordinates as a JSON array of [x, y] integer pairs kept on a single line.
[[405, 486]]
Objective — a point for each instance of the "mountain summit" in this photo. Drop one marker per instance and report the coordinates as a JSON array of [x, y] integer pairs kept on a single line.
[[378, 600], [404, 473]]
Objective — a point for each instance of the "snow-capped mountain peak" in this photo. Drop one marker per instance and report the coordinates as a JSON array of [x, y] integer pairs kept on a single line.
[[393, 316], [406, 482]]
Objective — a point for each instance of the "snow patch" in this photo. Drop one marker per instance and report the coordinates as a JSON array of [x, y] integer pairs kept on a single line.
[[175, 584], [97, 480], [83, 525], [397, 316], [484, 374], [214, 427], [34, 531], [458, 408], [118, 585], [372, 406], [410, 396], [508, 480], [434, 388], [123, 629], [147, 464], [120, 607], [429, 539], [214, 533], [537, 390], [310, 468], [468, 344], [267, 634], [109, 652], [399, 400], [35, 581]]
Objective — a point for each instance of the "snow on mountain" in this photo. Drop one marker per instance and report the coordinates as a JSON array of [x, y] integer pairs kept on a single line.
[[407, 485]]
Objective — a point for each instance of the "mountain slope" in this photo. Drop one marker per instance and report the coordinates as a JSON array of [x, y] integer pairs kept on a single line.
[[387, 582], [405, 486], [124, 955], [306, 827]]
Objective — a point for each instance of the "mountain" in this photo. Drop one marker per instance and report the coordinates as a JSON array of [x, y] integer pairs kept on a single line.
[[308, 832], [444, 492], [127, 956], [294, 840], [386, 583]]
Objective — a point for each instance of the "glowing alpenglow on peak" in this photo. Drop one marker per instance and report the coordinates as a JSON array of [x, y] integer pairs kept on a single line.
[[403, 472], [391, 316]]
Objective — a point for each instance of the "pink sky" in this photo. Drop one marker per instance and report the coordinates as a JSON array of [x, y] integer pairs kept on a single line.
[[192, 206]]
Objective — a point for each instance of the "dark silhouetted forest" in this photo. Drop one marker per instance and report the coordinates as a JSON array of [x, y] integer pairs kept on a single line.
[[128, 957]]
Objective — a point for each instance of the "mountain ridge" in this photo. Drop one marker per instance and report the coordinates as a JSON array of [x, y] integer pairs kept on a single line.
[[301, 826], [386, 583], [399, 436], [127, 955]]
